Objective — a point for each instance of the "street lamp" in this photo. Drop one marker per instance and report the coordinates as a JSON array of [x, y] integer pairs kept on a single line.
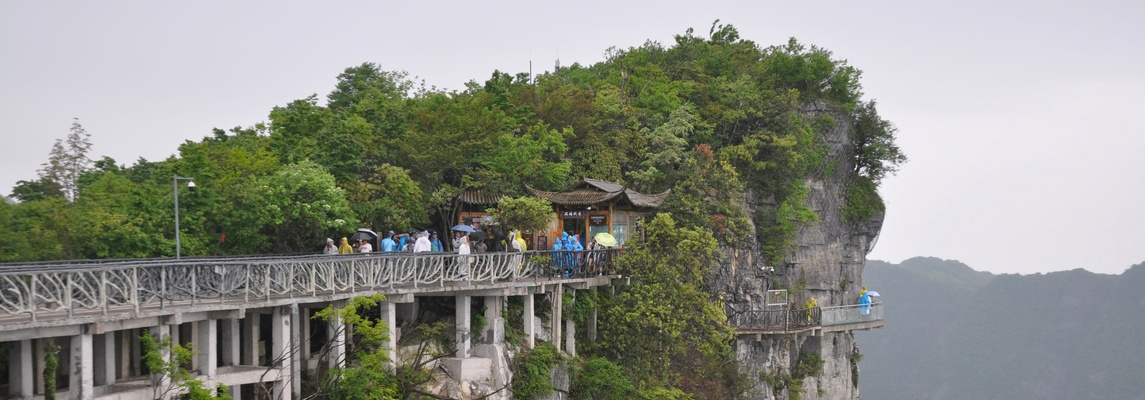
[[191, 186]]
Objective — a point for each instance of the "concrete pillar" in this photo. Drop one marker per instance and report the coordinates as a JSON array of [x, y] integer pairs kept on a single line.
[[251, 333], [105, 357], [281, 351], [136, 347], [80, 364], [206, 347], [295, 351], [494, 308], [592, 315], [462, 316], [38, 364], [124, 359], [236, 392], [408, 311], [570, 330], [389, 316], [20, 369], [530, 326], [336, 341], [159, 333], [557, 313], [229, 342], [304, 338]]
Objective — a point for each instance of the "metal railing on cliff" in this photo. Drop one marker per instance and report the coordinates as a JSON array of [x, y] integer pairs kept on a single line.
[[797, 320]]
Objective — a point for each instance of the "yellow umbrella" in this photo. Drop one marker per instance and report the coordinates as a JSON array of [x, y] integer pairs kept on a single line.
[[605, 239]]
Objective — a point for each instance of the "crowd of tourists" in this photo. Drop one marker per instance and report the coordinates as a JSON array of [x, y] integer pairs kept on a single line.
[[569, 257]]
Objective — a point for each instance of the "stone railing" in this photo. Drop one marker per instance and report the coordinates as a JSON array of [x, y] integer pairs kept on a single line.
[[46, 290]]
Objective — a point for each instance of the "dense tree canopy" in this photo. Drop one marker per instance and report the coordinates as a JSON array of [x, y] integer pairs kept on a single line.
[[711, 117]]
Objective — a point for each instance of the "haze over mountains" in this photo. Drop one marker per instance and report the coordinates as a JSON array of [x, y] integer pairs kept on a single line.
[[956, 333]]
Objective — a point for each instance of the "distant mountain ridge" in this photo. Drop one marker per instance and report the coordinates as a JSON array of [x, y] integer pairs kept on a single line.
[[956, 333]]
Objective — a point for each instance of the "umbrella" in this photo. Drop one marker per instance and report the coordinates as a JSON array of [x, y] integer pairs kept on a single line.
[[363, 234], [605, 239], [872, 293], [463, 228], [478, 236]]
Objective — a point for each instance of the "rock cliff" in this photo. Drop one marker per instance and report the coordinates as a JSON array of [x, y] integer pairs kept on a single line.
[[827, 264]]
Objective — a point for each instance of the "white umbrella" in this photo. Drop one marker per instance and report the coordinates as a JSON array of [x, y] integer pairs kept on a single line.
[[872, 293]]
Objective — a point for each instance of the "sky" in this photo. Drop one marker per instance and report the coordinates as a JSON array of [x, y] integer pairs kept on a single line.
[[1018, 116]]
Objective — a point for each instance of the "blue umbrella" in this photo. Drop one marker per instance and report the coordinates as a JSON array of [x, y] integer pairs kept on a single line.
[[463, 228]]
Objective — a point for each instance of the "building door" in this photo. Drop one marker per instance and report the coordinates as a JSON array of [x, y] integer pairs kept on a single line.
[[573, 223]]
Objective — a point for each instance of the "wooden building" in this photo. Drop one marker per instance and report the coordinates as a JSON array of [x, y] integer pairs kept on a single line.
[[592, 206], [587, 207]]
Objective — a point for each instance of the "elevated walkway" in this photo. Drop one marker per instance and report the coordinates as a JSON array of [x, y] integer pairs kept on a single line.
[[814, 321], [253, 316]]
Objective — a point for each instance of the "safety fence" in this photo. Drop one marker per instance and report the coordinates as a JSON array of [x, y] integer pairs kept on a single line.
[[790, 320], [63, 290]]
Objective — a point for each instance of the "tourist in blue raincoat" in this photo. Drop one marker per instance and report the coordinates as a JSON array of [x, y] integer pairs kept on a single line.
[[865, 304], [557, 259]]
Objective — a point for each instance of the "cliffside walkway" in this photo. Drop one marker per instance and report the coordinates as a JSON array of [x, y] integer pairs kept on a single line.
[[815, 321], [251, 316]]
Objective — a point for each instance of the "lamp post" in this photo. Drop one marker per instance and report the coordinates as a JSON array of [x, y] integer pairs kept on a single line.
[[191, 186]]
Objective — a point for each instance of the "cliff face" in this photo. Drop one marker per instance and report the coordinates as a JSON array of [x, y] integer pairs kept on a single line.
[[827, 265]]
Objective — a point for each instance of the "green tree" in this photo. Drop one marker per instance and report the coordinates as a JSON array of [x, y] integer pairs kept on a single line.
[[667, 145], [388, 199], [875, 151], [165, 358], [68, 160], [294, 209], [367, 375], [526, 213], [682, 343]]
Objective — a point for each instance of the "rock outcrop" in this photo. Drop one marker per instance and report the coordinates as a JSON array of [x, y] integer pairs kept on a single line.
[[827, 265]]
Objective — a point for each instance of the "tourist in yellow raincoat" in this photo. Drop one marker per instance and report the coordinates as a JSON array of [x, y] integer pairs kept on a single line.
[[809, 306]]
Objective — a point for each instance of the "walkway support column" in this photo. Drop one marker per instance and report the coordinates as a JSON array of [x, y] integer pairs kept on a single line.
[[557, 313], [462, 313], [20, 371], [570, 328], [530, 327], [206, 345], [160, 333], [336, 339], [229, 341], [295, 351], [81, 382], [281, 353], [251, 333], [304, 339], [105, 355], [389, 313], [494, 307]]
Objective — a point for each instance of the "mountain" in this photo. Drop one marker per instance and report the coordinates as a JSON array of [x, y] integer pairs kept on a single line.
[[956, 333]]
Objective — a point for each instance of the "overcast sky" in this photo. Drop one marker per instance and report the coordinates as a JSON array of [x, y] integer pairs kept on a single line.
[[1019, 117]]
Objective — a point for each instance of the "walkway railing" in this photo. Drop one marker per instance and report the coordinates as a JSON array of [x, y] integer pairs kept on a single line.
[[780, 321], [63, 290]]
